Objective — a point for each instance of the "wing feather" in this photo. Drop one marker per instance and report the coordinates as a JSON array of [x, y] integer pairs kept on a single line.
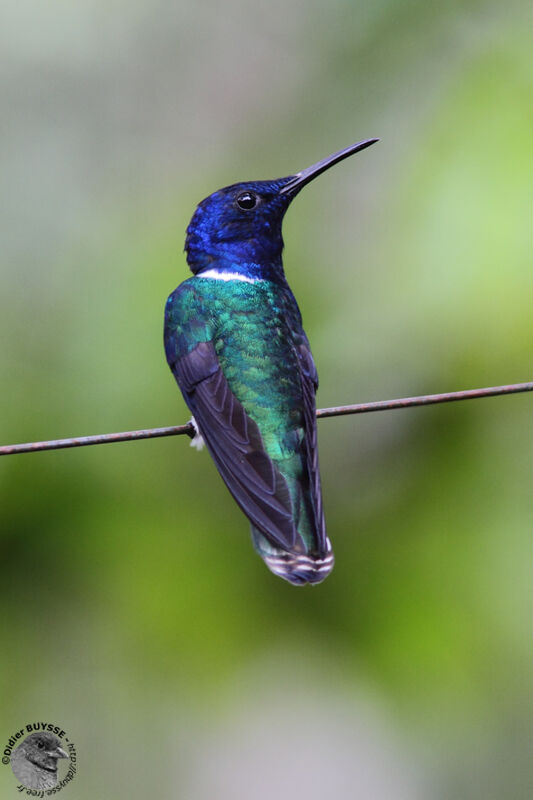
[[235, 443], [309, 378]]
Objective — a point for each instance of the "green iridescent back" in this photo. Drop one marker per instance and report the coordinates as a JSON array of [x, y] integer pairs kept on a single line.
[[255, 328]]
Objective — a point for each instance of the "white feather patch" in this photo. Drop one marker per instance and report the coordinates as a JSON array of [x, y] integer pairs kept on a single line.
[[198, 440], [225, 276]]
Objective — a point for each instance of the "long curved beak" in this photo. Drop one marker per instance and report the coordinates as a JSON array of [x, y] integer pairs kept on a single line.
[[307, 175]]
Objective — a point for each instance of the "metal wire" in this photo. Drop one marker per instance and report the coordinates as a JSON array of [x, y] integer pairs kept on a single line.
[[337, 411]]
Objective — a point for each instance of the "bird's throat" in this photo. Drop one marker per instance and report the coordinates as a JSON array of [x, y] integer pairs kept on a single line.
[[51, 770]]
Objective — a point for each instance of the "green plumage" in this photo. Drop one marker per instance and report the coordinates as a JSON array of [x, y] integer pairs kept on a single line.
[[256, 330]]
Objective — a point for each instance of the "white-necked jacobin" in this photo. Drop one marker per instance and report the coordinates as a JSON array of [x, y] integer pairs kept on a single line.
[[235, 343]]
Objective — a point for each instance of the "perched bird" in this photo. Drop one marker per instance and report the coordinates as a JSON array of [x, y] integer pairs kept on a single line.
[[34, 761], [235, 343]]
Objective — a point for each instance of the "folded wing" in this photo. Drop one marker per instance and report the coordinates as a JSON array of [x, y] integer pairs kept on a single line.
[[235, 443]]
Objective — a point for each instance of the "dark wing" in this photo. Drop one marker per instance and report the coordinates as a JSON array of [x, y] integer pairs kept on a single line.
[[236, 445], [309, 379]]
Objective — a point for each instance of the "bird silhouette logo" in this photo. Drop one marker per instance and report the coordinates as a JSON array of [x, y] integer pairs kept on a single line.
[[34, 761]]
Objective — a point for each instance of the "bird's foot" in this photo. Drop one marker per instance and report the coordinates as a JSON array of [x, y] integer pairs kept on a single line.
[[198, 440]]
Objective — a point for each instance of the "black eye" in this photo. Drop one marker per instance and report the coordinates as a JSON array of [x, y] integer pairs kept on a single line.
[[40, 745], [247, 201]]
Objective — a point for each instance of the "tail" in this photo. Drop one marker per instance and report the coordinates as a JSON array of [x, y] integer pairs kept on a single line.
[[297, 568]]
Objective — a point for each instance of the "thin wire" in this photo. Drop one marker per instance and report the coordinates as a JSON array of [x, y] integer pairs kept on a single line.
[[337, 411]]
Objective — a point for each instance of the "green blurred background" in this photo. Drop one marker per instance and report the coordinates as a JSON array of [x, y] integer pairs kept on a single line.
[[134, 610]]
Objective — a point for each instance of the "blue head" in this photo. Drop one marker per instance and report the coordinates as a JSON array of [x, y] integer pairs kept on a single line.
[[238, 228]]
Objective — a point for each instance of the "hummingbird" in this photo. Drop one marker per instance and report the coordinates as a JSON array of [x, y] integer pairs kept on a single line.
[[236, 346]]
